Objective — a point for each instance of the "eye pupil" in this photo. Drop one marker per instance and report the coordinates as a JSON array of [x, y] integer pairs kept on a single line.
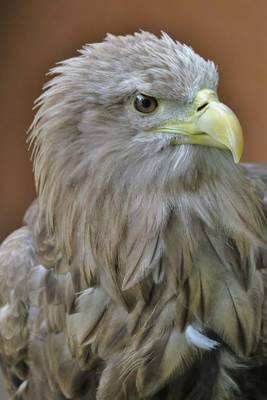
[[145, 104]]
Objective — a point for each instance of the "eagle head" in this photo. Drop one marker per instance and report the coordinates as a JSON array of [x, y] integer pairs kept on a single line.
[[138, 102], [130, 115]]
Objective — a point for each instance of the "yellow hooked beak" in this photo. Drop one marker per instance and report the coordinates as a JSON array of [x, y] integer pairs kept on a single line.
[[211, 124]]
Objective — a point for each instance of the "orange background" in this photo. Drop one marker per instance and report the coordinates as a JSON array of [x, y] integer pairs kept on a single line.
[[37, 33]]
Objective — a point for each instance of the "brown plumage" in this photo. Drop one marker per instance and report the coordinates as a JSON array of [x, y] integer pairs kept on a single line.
[[140, 271]]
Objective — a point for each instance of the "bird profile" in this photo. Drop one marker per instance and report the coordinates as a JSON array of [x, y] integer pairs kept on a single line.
[[139, 272]]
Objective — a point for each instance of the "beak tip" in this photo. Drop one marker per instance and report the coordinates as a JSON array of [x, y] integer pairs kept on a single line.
[[220, 122], [237, 150]]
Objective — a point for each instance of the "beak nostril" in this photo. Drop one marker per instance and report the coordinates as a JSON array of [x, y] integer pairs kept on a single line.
[[202, 107]]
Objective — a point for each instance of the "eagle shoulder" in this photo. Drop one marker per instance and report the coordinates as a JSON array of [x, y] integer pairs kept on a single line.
[[258, 174], [16, 263]]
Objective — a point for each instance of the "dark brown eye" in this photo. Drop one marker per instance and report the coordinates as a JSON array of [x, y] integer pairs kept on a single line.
[[145, 104]]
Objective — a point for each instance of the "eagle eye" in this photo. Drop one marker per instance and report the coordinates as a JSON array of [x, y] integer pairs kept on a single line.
[[145, 104]]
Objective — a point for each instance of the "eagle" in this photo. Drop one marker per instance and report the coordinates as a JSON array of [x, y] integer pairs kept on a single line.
[[140, 268]]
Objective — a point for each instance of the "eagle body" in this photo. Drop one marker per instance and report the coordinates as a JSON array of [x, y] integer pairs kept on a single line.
[[140, 271]]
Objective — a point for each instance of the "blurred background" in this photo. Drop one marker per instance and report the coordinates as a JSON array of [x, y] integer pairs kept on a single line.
[[35, 34]]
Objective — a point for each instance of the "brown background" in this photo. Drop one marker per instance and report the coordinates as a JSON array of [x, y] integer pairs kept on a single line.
[[34, 34]]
